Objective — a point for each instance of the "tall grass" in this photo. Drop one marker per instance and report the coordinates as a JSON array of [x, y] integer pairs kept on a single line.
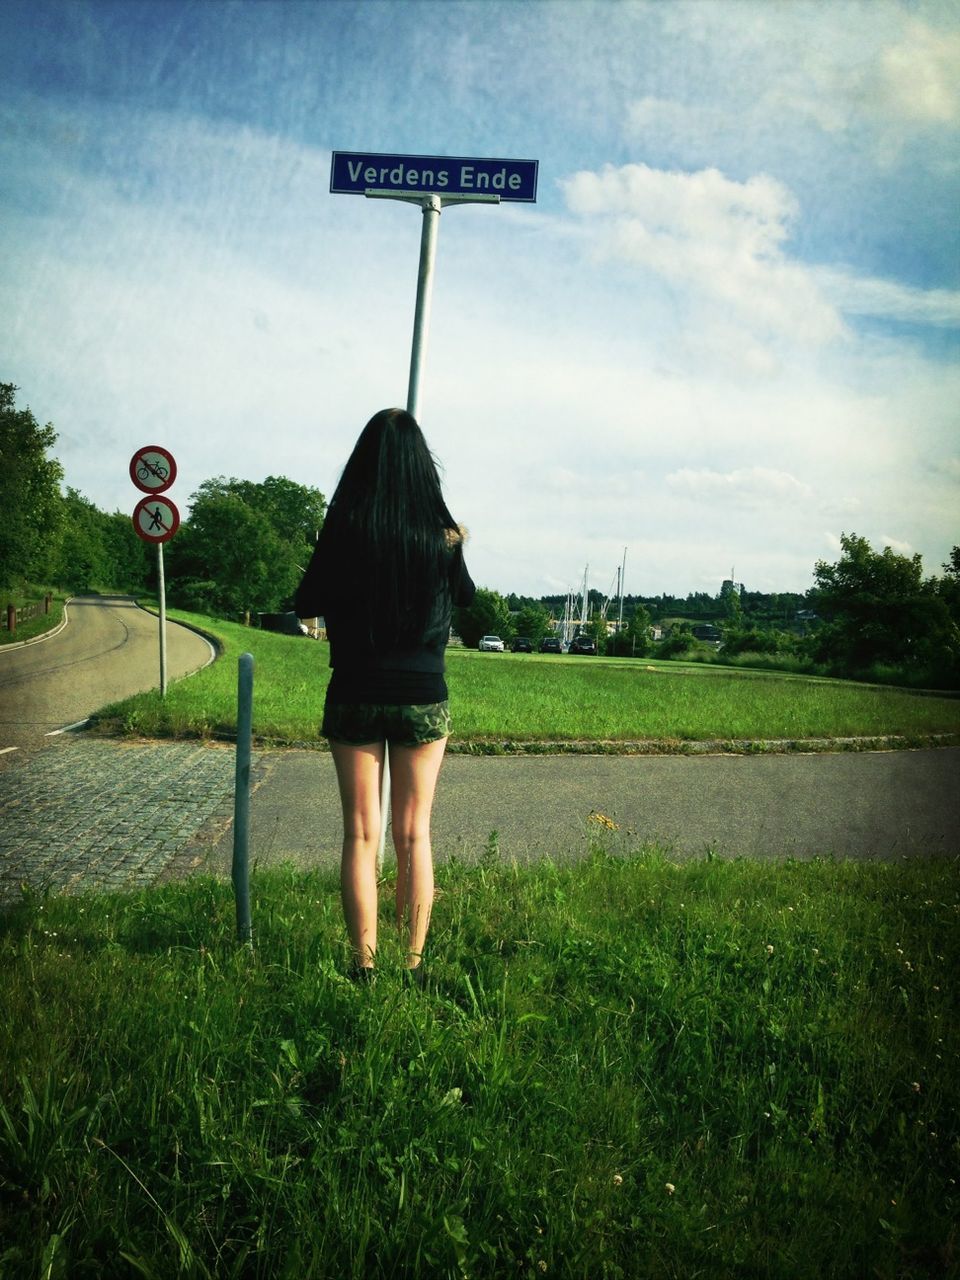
[[536, 698], [624, 1068]]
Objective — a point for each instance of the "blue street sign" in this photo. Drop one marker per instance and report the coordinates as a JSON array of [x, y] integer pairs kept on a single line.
[[356, 172]]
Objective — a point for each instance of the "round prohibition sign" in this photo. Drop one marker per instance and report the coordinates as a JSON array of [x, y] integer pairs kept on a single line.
[[152, 468], [156, 519]]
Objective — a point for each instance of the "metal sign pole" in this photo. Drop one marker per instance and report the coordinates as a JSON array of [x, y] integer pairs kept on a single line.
[[431, 205], [421, 323], [156, 519], [421, 320], [163, 621]]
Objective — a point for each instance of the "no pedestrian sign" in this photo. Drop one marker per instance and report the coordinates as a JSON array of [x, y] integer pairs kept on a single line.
[[156, 519], [356, 172], [152, 469]]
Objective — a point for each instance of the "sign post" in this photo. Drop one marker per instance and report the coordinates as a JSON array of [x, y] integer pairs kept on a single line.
[[156, 519], [433, 183]]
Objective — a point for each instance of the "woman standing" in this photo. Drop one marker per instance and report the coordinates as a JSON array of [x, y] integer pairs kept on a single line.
[[385, 573]]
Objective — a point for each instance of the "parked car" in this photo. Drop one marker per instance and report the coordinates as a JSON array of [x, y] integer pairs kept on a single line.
[[582, 644], [550, 644], [491, 644], [521, 645], [288, 624]]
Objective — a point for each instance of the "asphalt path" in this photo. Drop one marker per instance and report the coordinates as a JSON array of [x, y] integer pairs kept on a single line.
[[859, 805], [109, 649]]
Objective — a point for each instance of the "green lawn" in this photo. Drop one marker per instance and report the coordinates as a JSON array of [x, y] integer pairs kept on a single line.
[[31, 627], [623, 1068], [533, 698]]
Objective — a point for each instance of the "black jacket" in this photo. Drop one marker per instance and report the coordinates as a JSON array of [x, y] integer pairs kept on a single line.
[[332, 588]]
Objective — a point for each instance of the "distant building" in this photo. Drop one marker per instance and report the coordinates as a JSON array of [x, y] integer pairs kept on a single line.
[[707, 632]]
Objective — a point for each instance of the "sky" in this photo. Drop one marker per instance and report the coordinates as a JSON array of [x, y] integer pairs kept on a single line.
[[725, 334]]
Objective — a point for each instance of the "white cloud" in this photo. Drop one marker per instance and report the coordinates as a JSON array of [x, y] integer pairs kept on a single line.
[[719, 238], [901, 79], [749, 486], [898, 545], [919, 77], [860, 295], [794, 71]]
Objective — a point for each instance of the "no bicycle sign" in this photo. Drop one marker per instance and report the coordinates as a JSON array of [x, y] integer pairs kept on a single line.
[[152, 469]]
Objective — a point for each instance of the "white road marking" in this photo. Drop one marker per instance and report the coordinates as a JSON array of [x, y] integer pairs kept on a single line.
[[77, 724]]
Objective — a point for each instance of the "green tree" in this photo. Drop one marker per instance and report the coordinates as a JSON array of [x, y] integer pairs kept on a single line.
[[676, 643], [487, 615], [99, 550], [638, 632], [30, 502], [596, 629], [228, 560], [295, 511], [877, 609], [244, 546], [752, 640], [730, 603], [634, 639], [82, 561], [948, 587], [132, 561], [532, 621]]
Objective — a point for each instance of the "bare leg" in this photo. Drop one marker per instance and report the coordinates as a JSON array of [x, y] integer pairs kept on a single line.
[[413, 781], [358, 775]]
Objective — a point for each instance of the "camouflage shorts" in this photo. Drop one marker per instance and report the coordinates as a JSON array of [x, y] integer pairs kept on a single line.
[[413, 725]]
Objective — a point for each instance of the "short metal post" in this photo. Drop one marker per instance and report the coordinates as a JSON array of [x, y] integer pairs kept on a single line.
[[241, 803]]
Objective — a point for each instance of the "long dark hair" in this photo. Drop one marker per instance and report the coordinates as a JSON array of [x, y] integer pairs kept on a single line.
[[388, 509]]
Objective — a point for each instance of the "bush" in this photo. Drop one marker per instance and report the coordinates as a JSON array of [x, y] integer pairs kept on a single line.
[[680, 640], [748, 640]]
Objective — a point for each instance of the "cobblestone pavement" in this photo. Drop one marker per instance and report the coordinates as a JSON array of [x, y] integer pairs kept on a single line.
[[105, 816]]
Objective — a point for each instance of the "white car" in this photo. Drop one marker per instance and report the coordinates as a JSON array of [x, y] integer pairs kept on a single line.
[[491, 644]]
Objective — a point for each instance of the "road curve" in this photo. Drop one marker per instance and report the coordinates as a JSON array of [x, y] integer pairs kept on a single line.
[[108, 650]]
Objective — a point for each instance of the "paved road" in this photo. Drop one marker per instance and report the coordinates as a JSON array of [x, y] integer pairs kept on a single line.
[[108, 650], [94, 814], [881, 804]]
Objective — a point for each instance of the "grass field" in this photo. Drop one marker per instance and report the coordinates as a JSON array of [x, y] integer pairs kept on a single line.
[[31, 627], [497, 698], [623, 1068]]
